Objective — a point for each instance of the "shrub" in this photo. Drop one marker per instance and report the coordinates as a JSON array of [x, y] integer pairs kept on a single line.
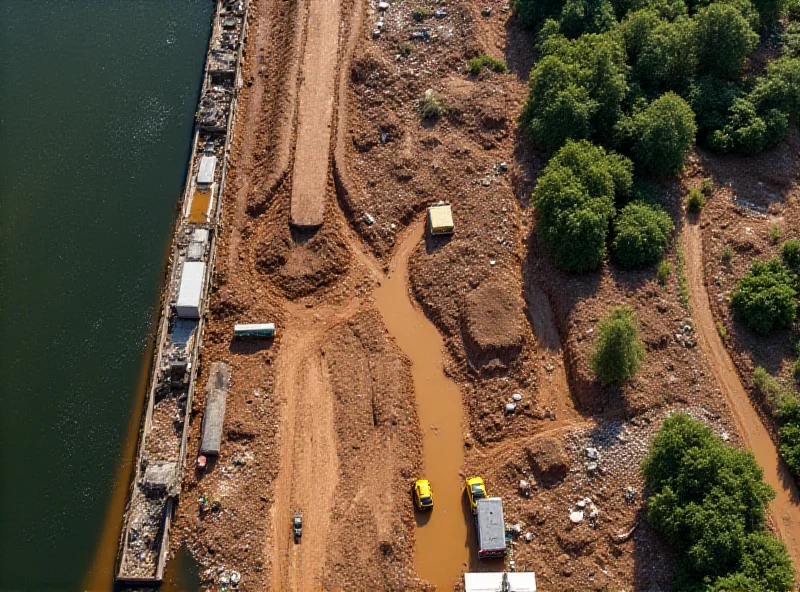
[[724, 38], [765, 297], [711, 100], [707, 186], [641, 233], [618, 351], [722, 331], [664, 271], [789, 414], [659, 136], [405, 49], [775, 233], [421, 13], [430, 107], [532, 13], [695, 201], [748, 130], [773, 392], [475, 65], [796, 370], [790, 253], [709, 501], [727, 253]]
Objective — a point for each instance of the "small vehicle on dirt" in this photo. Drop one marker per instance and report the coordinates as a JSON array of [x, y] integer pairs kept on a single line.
[[423, 495], [475, 490], [297, 526]]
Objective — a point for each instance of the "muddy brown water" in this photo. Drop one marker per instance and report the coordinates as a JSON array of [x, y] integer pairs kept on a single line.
[[441, 536]]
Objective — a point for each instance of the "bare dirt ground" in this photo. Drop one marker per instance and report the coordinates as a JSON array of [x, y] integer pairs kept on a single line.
[[324, 419]]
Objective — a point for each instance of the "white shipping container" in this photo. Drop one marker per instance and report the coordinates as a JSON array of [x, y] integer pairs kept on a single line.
[[205, 176], [190, 290]]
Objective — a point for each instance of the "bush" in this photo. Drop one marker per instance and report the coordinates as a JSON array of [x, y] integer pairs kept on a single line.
[[641, 233], [695, 201], [796, 370], [664, 271], [574, 198], [749, 131], [532, 13], [659, 136], [724, 38], [789, 414], [707, 186], [709, 501], [790, 253], [772, 391], [475, 65], [711, 100], [775, 233], [765, 297], [618, 351], [405, 49], [430, 107]]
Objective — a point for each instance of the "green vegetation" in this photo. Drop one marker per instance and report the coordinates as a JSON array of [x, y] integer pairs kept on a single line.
[[618, 351], [475, 65], [421, 13], [784, 403], [683, 283], [430, 107], [775, 233], [790, 253], [575, 198], [660, 135], [405, 49], [641, 233], [707, 186], [796, 370], [709, 500], [664, 271], [695, 201], [722, 331], [765, 298], [727, 254]]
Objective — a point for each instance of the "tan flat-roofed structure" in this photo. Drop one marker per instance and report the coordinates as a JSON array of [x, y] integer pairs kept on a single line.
[[440, 219]]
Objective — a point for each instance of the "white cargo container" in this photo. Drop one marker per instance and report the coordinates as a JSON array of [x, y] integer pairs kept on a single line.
[[491, 527], [190, 290], [205, 174]]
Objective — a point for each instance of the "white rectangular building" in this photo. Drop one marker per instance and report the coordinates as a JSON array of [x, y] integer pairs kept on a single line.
[[205, 174], [190, 290]]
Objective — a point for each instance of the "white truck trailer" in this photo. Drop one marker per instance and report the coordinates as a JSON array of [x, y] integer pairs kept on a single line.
[[491, 528]]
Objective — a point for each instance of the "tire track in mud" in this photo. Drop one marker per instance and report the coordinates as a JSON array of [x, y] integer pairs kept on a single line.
[[785, 508]]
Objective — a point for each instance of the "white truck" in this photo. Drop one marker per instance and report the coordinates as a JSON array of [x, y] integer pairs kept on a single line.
[[491, 528]]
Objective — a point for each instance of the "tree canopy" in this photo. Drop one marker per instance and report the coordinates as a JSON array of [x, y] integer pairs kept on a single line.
[[618, 351], [766, 298]]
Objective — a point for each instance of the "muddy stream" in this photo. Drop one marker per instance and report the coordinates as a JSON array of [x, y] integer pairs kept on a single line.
[[441, 535]]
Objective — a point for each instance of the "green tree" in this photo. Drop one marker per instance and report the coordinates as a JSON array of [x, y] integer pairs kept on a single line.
[[586, 16], [618, 351], [711, 98], [765, 298], [709, 500], [659, 136], [748, 131], [533, 13], [641, 233], [724, 38], [780, 88], [662, 53], [574, 198]]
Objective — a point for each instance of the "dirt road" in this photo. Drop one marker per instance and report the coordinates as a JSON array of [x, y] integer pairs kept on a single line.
[[315, 115], [785, 509]]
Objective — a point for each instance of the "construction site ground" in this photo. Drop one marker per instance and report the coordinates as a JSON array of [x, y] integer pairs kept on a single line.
[[325, 418]]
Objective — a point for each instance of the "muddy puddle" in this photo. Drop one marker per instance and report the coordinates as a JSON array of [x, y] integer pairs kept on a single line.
[[201, 207], [441, 536]]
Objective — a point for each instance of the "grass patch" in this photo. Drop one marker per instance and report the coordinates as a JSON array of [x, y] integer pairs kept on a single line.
[[722, 331], [475, 65], [664, 271], [683, 283]]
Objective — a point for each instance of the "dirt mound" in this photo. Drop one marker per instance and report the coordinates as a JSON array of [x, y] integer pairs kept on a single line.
[[492, 325], [548, 460], [302, 267]]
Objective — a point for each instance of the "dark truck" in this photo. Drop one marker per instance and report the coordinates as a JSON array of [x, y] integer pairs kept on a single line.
[[491, 528]]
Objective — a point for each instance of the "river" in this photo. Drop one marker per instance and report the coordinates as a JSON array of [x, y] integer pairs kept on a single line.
[[96, 115]]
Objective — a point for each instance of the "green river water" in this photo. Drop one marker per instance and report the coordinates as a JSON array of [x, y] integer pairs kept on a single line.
[[96, 111]]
